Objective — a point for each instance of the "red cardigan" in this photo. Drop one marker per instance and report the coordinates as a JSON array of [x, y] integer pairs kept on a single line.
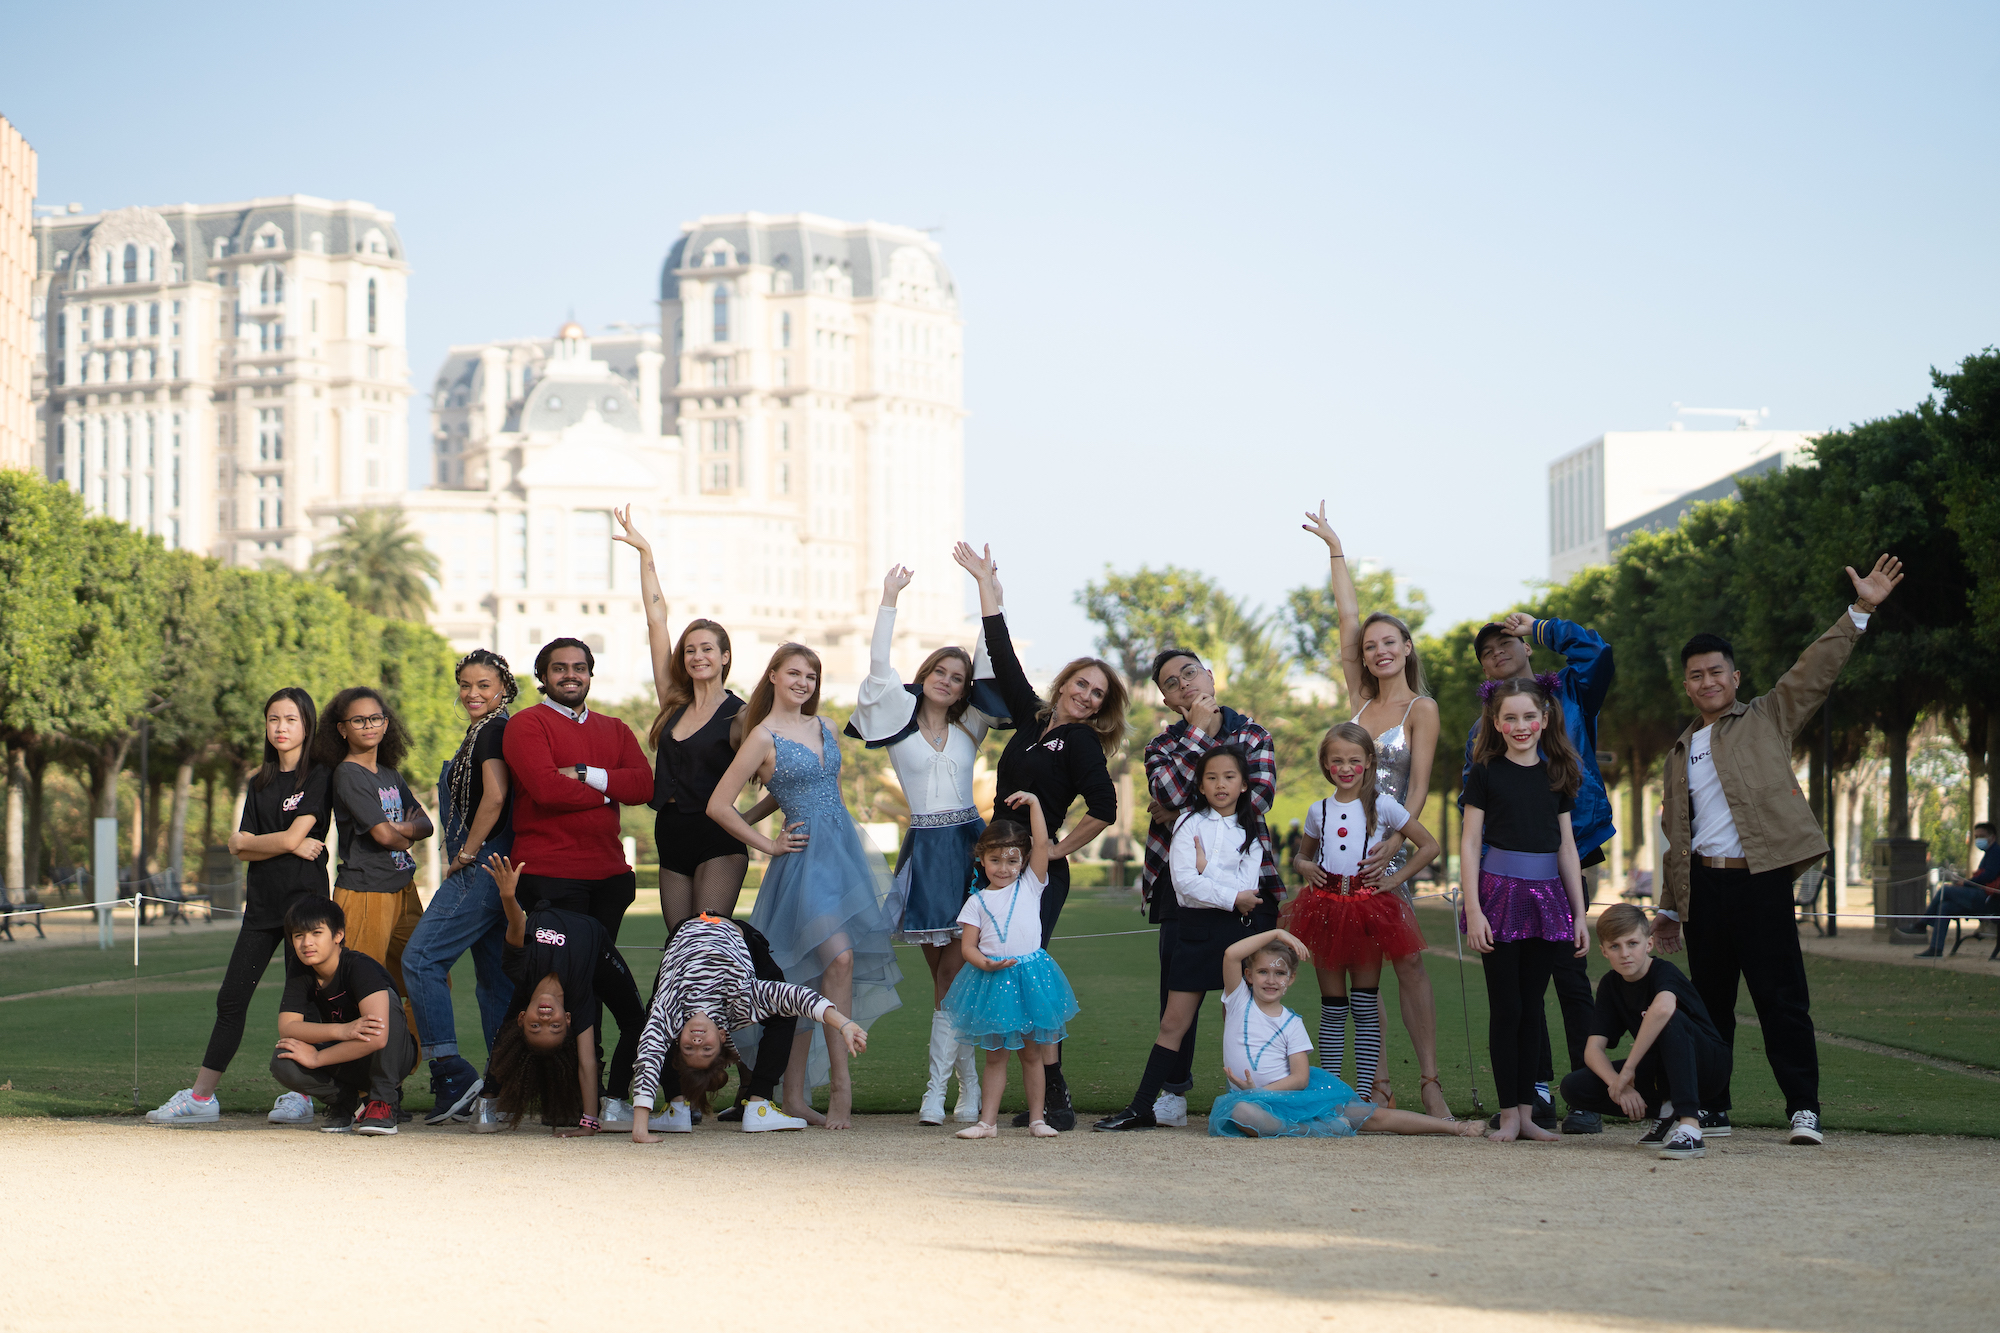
[[563, 827]]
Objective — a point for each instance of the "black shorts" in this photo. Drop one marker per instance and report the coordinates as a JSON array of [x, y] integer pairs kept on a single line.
[[685, 841], [1203, 936]]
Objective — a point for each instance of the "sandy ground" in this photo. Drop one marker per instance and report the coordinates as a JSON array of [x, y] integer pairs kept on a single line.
[[893, 1227]]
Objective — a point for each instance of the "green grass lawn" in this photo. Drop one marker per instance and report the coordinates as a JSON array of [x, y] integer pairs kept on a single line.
[[72, 1054]]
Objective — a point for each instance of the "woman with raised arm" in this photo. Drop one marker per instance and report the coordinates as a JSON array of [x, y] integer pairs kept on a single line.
[[1058, 753], [702, 865], [1378, 663], [932, 730], [823, 903]]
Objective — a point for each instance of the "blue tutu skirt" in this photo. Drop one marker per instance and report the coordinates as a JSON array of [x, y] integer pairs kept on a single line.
[[1311, 1112], [932, 875], [1005, 1010]]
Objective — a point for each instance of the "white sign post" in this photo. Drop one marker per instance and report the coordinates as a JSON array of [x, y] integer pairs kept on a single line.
[[107, 876]]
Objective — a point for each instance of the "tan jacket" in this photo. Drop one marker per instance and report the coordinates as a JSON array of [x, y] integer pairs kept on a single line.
[[1752, 749]]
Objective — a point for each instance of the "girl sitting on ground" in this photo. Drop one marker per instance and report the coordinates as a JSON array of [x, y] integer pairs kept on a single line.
[[1277, 1092], [1010, 996]]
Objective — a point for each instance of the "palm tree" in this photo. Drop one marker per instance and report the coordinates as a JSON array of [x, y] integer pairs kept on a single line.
[[378, 564]]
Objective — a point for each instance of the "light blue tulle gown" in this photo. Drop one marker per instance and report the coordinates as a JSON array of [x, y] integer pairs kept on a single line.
[[828, 899]]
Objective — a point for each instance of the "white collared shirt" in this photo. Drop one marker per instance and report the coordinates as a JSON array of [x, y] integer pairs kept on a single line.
[[595, 778]]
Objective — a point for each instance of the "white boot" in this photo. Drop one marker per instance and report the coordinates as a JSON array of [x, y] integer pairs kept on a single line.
[[967, 1110], [942, 1041]]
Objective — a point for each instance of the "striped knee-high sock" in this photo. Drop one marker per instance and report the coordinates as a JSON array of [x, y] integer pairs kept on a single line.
[[1332, 1033], [1367, 1005]]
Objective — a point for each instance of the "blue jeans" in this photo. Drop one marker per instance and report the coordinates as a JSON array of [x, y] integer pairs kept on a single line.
[[1954, 901], [464, 915]]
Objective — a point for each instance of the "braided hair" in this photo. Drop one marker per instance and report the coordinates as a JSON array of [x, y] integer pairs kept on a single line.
[[459, 815]]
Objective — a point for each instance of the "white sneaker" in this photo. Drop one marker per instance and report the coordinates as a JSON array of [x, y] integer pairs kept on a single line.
[[294, 1108], [759, 1117], [679, 1118], [486, 1117], [183, 1109], [1805, 1129], [1170, 1109], [614, 1114]]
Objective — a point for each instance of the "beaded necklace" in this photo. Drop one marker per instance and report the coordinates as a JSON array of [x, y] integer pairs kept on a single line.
[[1012, 903], [1257, 1059]]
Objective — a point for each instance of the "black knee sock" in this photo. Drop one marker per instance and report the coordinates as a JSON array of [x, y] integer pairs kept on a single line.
[[1159, 1063]]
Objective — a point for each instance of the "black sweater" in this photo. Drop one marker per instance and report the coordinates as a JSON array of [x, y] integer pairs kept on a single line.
[[1058, 763]]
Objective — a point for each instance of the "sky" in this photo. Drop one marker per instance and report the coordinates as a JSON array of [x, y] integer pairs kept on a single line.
[[1215, 262]]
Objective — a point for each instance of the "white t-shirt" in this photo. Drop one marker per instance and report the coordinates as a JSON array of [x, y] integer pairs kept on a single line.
[[1009, 919], [1268, 1048], [1714, 826], [1341, 854]]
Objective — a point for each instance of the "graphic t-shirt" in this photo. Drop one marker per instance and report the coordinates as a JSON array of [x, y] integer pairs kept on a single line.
[[1714, 825], [1009, 919], [1253, 1040], [361, 800], [271, 884], [337, 1000], [570, 945]]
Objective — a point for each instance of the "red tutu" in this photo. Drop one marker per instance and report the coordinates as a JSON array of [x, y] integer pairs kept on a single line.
[[1348, 930]]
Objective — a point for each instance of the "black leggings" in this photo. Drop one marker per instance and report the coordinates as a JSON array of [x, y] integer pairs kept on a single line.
[[1681, 1066], [774, 1044], [1517, 978], [254, 948]]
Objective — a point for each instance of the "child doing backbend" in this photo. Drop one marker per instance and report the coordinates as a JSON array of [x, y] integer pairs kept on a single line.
[[1351, 921], [1010, 995], [1524, 902], [1276, 1090]]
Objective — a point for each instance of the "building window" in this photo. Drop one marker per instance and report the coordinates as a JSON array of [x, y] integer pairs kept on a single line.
[[371, 305], [312, 314], [153, 320], [271, 287], [271, 434], [590, 550], [131, 321], [785, 329], [177, 363], [721, 313], [108, 322], [131, 263]]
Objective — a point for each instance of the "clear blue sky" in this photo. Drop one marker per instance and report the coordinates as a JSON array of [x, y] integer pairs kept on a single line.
[[1215, 261]]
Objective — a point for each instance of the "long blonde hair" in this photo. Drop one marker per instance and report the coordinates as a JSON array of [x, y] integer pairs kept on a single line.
[[1109, 720], [753, 713], [680, 685], [1413, 667]]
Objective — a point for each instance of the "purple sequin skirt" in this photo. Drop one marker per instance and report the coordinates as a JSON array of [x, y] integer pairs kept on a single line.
[[1523, 898]]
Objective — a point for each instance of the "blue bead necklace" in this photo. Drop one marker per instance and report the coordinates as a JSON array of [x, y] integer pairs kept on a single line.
[[1012, 903], [1257, 1059]]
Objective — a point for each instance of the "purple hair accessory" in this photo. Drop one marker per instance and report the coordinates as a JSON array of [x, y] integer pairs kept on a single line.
[[1548, 682]]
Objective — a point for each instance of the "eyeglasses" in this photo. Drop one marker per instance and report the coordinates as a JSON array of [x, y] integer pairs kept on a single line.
[[372, 720], [1186, 676]]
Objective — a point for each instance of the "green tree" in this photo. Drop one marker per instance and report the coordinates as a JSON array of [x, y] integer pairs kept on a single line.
[[379, 564], [1964, 421], [41, 552], [1314, 622]]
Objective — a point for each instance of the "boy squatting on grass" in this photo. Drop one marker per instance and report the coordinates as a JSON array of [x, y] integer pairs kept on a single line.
[[356, 1041], [1678, 1062]]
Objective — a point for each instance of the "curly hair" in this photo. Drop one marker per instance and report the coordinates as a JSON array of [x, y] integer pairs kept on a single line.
[[532, 1079], [329, 747], [1565, 770], [459, 814]]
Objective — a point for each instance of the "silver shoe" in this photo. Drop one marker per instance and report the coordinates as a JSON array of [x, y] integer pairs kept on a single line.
[[486, 1117]]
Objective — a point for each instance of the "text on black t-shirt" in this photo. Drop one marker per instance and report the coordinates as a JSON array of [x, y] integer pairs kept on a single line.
[[569, 944], [1520, 806], [356, 976], [274, 808]]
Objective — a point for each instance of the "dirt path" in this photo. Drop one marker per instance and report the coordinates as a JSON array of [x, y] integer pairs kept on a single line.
[[893, 1227]]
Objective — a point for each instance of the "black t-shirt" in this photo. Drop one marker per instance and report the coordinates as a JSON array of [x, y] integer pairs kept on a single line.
[[568, 944], [274, 808], [1520, 806], [355, 977], [1621, 1004], [486, 745], [685, 772]]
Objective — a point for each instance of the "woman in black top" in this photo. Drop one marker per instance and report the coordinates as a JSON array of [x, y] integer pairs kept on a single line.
[[1058, 752], [283, 838], [701, 866]]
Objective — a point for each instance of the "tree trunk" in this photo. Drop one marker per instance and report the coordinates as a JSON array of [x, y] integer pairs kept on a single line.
[[155, 790], [17, 816], [1992, 766], [106, 761], [37, 764], [208, 812], [242, 798], [177, 833], [1636, 816], [1896, 741]]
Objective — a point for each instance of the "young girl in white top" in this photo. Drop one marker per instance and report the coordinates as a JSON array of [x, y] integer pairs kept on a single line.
[[1010, 996], [1276, 1092], [1351, 923], [1216, 861]]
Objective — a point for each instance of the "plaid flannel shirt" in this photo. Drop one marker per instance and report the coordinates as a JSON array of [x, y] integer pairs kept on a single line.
[[1170, 761]]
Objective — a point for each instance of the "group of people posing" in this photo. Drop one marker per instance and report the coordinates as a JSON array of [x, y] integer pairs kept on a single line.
[[537, 886]]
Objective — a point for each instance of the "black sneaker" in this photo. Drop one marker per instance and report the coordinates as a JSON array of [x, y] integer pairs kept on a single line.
[[1057, 1109], [1715, 1124], [730, 1115], [1805, 1129], [340, 1113], [454, 1083], [1659, 1132], [1583, 1122], [1683, 1142], [1129, 1118]]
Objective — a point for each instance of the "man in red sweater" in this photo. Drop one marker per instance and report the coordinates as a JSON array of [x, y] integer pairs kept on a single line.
[[572, 769]]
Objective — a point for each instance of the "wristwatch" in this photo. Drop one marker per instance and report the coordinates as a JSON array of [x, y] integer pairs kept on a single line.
[[583, 772]]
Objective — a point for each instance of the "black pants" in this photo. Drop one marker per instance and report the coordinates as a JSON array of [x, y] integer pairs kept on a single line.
[[251, 954], [378, 1075], [618, 992], [1741, 925], [603, 899], [1054, 896], [1181, 1077], [1572, 983], [1517, 980], [1682, 1066], [774, 1044]]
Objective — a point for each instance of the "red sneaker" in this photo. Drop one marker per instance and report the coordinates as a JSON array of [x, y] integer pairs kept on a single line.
[[376, 1118]]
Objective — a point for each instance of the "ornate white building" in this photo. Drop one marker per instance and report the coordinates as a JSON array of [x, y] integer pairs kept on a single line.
[[800, 432], [209, 371]]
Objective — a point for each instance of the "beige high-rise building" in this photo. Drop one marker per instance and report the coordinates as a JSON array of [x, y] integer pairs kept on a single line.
[[795, 432], [208, 371], [17, 282]]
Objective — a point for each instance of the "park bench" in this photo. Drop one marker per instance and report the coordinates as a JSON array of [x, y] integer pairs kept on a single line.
[[173, 897], [29, 907], [1805, 895]]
